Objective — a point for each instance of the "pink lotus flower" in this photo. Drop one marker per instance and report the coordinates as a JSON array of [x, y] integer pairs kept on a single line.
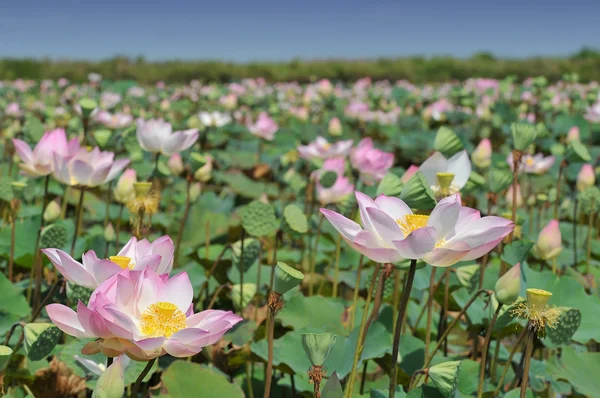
[[592, 113], [586, 177], [13, 109], [392, 232], [145, 316], [265, 127], [124, 191], [114, 121], [342, 186], [482, 155], [459, 165], [537, 164], [372, 163], [409, 173], [321, 149], [356, 110], [40, 161], [88, 169], [135, 255], [549, 242], [157, 136]]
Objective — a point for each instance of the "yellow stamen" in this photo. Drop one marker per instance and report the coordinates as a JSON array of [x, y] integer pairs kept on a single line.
[[162, 319], [122, 261], [327, 145], [529, 162], [412, 222]]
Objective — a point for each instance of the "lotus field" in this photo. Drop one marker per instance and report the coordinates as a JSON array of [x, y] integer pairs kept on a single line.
[[254, 239]]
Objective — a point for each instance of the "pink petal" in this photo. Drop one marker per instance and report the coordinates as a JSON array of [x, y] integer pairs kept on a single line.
[[386, 227], [363, 202], [443, 218], [392, 206], [417, 244], [66, 320], [346, 227], [178, 290]]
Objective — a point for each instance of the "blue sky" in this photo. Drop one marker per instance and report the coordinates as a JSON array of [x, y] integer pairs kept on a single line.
[[240, 30]]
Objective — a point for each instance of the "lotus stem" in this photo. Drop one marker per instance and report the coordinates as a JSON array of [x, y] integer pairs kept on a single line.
[[396, 300], [77, 219], [363, 377], [589, 239], [183, 220], [509, 361], [361, 336], [275, 304], [140, 379], [118, 226], [274, 260], [563, 164], [316, 375], [249, 380], [528, 352], [36, 276], [444, 318], [11, 255], [213, 299], [377, 302], [356, 290], [49, 295], [241, 269], [491, 198], [429, 310], [516, 159], [107, 208], [313, 263], [486, 348], [576, 202], [336, 271], [399, 321]]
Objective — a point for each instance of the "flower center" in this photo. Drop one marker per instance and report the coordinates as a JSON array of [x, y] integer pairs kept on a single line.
[[122, 261], [411, 222], [162, 319], [326, 145], [529, 162]]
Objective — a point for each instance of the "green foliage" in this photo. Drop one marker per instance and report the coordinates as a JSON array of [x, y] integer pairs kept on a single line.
[[295, 219], [258, 219], [568, 323], [54, 236], [182, 377]]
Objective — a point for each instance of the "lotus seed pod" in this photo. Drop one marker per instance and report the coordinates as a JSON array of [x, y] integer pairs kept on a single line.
[[482, 155], [507, 288], [523, 135], [109, 233], [549, 242], [52, 211], [236, 294], [447, 142], [87, 107], [102, 137], [40, 340], [286, 278], [111, 383], [142, 188], [318, 346], [194, 191], [77, 293], [328, 178], [445, 377], [445, 181], [54, 235], [537, 298], [250, 255]]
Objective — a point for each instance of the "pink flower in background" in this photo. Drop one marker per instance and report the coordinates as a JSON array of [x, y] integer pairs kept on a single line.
[[392, 232], [13, 109], [537, 164], [88, 169], [62, 82], [482, 155], [356, 110], [437, 110], [40, 161], [549, 242], [229, 101], [592, 113], [157, 136], [300, 112], [175, 164], [372, 163], [114, 121], [586, 177], [145, 316], [322, 149], [110, 100], [135, 255], [573, 134], [324, 87], [265, 127], [341, 187], [335, 126], [409, 173]]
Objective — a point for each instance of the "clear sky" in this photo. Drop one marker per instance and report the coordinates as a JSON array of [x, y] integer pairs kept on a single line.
[[243, 30]]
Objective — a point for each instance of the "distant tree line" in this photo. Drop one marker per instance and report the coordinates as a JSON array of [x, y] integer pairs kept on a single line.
[[586, 63]]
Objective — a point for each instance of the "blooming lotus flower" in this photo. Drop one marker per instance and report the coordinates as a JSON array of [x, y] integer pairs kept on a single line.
[[94, 77], [342, 186], [13, 109], [509, 196], [409, 173], [40, 161], [586, 177], [335, 126], [88, 169], [573, 134], [537, 164], [157, 136], [214, 119], [592, 114], [372, 163], [321, 149], [265, 127], [113, 121], [482, 155], [356, 110], [549, 242], [459, 166], [144, 315], [135, 255], [392, 232], [124, 191]]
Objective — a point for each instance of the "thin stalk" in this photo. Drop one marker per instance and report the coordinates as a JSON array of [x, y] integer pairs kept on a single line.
[[444, 317], [274, 261], [376, 304], [336, 270], [249, 380], [270, 336], [107, 208], [575, 231], [429, 310], [64, 203], [139, 224], [37, 259], [538, 223], [11, 255], [140, 379], [293, 382], [77, 219], [356, 290], [363, 377], [516, 159], [213, 299], [49, 295], [361, 334], [183, 220], [396, 301], [118, 226], [528, 351], [258, 281], [486, 348], [558, 184], [589, 239], [509, 361], [490, 201], [313, 263], [399, 320], [495, 361], [242, 273]]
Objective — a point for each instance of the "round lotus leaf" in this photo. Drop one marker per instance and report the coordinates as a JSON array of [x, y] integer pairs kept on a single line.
[[295, 219], [248, 293], [568, 323], [258, 219], [40, 340], [54, 236]]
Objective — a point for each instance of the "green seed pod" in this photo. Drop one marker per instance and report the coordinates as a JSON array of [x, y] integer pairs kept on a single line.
[[87, 106], [54, 235], [102, 137], [251, 251], [258, 219], [52, 211], [286, 278], [40, 340], [523, 135], [445, 377], [318, 346], [77, 293]]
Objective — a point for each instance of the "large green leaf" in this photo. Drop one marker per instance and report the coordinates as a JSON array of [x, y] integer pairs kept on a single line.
[[12, 300], [183, 378]]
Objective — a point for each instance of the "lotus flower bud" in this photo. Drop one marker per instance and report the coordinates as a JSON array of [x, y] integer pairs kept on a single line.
[[586, 177], [573, 134], [111, 383], [335, 127], [286, 278], [508, 286], [109, 233], [318, 346], [124, 191], [175, 164], [204, 173], [409, 173], [52, 212], [509, 196], [549, 242], [537, 298], [195, 190], [482, 155]]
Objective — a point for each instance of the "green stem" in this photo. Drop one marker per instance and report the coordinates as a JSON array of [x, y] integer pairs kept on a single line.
[[356, 290], [508, 362], [313, 263], [77, 219], [336, 271], [140, 379], [486, 348], [398, 329], [429, 310], [183, 220], [528, 351]]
